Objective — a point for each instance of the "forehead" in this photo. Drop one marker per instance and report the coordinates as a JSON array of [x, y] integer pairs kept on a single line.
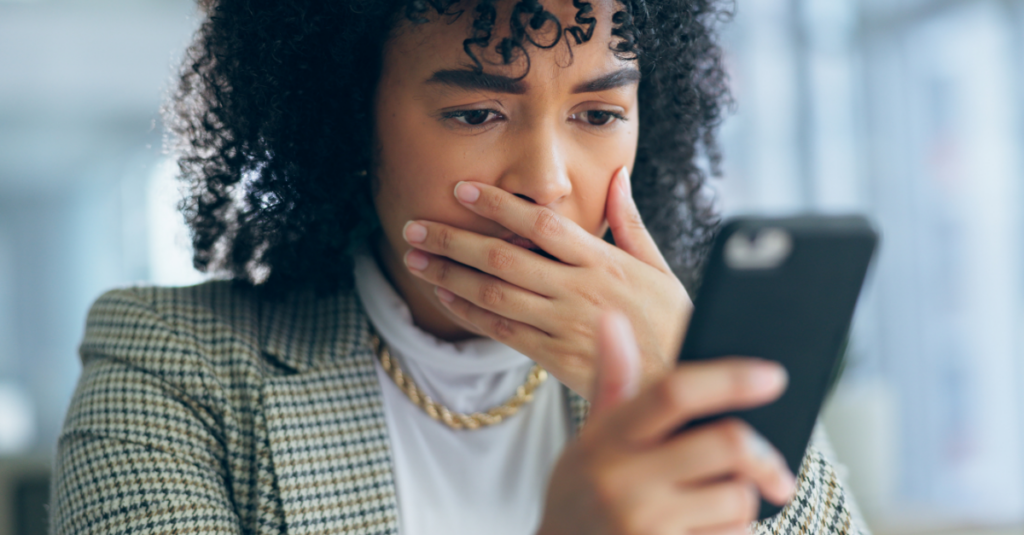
[[417, 50]]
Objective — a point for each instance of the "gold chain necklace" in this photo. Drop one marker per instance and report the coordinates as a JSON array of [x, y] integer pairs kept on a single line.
[[523, 395]]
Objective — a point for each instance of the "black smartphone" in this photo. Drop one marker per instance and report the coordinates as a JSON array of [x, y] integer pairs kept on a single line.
[[782, 289]]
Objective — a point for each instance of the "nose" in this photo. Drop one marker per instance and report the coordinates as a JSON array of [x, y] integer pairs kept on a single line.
[[537, 169]]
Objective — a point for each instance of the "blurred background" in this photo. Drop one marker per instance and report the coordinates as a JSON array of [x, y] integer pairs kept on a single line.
[[907, 110]]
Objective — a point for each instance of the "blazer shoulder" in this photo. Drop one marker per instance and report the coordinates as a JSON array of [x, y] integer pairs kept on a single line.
[[225, 325], [164, 330]]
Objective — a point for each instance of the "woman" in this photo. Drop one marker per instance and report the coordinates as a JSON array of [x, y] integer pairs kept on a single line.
[[408, 198]]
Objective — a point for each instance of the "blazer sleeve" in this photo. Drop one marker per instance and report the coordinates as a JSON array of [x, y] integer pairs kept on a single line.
[[822, 504], [821, 442], [142, 450]]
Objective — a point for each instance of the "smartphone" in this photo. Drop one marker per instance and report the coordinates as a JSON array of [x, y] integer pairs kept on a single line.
[[782, 289]]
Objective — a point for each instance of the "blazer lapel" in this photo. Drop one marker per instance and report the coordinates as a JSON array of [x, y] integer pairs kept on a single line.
[[325, 418], [325, 421]]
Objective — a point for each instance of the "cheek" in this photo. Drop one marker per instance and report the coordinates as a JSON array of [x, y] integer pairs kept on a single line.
[[416, 171], [597, 163]]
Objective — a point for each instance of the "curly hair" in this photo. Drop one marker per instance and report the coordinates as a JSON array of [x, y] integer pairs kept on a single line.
[[276, 164]]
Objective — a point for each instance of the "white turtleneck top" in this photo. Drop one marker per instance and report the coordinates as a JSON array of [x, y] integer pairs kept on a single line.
[[489, 480]]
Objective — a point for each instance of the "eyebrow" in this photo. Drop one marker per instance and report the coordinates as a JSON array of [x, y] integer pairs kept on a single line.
[[474, 81], [619, 78], [496, 83]]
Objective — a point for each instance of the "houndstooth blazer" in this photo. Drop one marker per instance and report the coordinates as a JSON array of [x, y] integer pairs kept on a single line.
[[207, 410]]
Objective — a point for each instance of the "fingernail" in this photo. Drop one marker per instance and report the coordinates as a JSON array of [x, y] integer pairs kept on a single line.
[[444, 295], [416, 260], [414, 232], [627, 187], [768, 376], [467, 192]]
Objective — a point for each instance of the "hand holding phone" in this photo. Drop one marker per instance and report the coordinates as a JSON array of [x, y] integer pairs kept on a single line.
[[626, 472], [666, 459]]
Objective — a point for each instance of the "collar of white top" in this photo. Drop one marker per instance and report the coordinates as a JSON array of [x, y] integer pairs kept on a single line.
[[392, 319]]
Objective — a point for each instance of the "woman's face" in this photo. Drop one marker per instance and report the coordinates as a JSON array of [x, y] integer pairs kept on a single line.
[[555, 138]]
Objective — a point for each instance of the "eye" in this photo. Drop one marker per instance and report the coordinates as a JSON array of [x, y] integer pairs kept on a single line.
[[472, 117], [598, 117]]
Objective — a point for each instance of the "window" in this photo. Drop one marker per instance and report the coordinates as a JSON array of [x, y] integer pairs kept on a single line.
[[909, 112]]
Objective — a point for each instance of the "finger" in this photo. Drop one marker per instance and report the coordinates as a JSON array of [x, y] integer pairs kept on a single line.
[[508, 262], [557, 235], [628, 227], [517, 335], [481, 289], [618, 372], [722, 449], [695, 390], [719, 504]]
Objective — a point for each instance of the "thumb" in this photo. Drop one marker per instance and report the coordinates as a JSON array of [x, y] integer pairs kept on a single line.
[[618, 363], [628, 227]]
